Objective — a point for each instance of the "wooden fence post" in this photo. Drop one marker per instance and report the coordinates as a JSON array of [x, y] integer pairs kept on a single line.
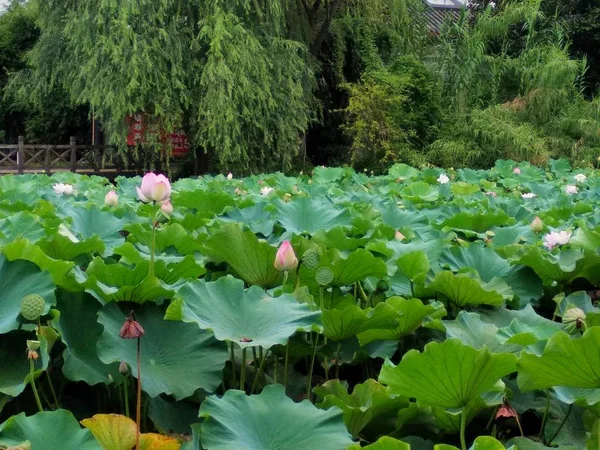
[[21, 154], [47, 160], [73, 144]]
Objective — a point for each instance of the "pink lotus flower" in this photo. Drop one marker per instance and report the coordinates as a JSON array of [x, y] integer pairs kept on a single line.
[[517, 171], [399, 236], [571, 189], [154, 188], [285, 260], [556, 238], [111, 199], [166, 207], [491, 194]]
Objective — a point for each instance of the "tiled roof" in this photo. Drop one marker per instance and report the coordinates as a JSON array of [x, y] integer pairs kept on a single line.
[[436, 14]]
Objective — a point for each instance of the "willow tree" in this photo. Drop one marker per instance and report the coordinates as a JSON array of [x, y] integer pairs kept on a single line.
[[224, 68]]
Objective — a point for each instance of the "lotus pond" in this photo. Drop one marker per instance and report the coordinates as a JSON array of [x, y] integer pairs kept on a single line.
[[419, 310]]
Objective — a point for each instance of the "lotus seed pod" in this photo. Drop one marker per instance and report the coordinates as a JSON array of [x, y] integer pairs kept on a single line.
[[324, 276], [32, 306], [574, 320], [311, 258], [383, 285]]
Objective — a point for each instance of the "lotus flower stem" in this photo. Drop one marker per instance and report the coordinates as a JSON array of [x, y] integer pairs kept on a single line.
[[138, 409], [561, 426], [153, 248], [285, 278], [310, 370], [259, 373], [126, 394], [362, 293], [285, 367], [33, 387], [463, 426], [337, 361], [546, 411], [325, 363], [52, 391], [243, 371], [321, 297], [232, 357], [255, 358], [276, 368]]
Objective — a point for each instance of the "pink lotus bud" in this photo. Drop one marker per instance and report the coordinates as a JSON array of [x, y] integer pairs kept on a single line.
[[123, 368], [230, 176], [537, 226], [154, 188], [285, 259], [399, 236], [517, 171], [111, 199], [166, 207]]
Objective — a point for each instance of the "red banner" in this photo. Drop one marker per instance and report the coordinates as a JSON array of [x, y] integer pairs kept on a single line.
[[138, 129]]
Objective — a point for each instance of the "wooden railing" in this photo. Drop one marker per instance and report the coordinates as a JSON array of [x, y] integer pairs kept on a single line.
[[36, 158]]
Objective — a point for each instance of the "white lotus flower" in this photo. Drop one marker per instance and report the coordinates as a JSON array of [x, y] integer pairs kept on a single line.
[[266, 190], [443, 179], [528, 195], [60, 189], [580, 178], [571, 189], [556, 238]]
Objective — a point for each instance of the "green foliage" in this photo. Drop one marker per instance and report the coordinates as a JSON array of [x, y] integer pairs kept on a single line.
[[392, 115]]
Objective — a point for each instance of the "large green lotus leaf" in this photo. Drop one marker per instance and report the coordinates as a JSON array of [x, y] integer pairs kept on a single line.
[[64, 246], [406, 220], [462, 188], [403, 171], [448, 374], [322, 174], [15, 373], [168, 350], [464, 289], [338, 239], [120, 283], [514, 234], [565, 362], [79, 331], [47, 430], [270, 421], [90, 222], [471, 330], [480, 443], [21, 225], [172, 243], [550, 267], [61, 271], [18, 279], [523, 443], [524, 328], [368, 401], [255, 217], [203, 203], [525, 284], [339, 324], [306, 215], [251, 259], [419, 191], [410, 315], [478, 222], [247, 317], [356, 267], [170, 416], [384, 443], [414, 266]]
